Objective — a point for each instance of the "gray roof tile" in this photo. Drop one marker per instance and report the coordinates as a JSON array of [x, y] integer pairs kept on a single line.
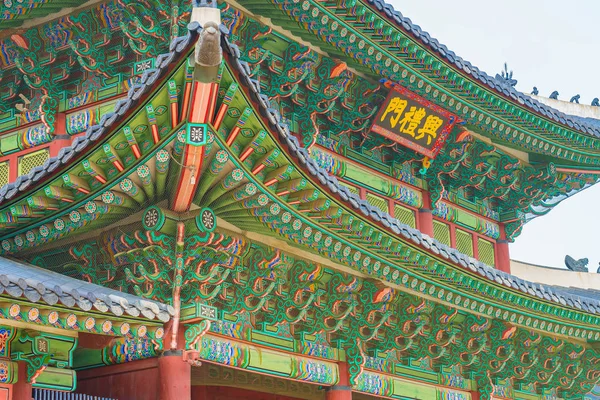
[[18, 279]]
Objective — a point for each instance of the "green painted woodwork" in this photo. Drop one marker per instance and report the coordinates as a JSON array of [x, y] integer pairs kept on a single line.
[[475, 169], [58, 348], [56, 379], [396, 308], [357, 175], [405, 61]]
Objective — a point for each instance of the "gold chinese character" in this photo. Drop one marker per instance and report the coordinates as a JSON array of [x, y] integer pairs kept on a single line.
[[411, 120], [42, 346], [432, 124], [396, 106]]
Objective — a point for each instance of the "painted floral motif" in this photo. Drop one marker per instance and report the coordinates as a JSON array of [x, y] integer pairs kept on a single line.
[[79, 121], [224, 352], [5, 334], [313, 371], [374, 384], [35, 136]]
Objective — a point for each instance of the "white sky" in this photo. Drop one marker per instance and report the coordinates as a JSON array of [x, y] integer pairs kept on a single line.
[[551, 44]]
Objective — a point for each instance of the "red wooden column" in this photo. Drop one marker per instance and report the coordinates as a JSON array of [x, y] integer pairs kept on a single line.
[[425, 216], [175, 376], [343, 390], [61, 137], [22, 390], [502, 253]]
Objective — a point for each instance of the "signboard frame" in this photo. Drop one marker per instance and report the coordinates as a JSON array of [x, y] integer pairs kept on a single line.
[[412, 99]]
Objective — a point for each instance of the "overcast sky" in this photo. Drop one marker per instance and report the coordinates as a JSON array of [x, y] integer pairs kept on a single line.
[[550, 44]]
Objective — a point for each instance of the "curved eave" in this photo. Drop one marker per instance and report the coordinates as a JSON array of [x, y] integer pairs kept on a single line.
[[469, 70], [429, 69], [96, 134], [329, 184]]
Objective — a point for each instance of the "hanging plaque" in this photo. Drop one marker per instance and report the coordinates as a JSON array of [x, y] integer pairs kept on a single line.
[[414, 122]]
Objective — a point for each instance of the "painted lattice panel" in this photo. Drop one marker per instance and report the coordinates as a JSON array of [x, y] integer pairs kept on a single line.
[[4, 173], [378, 202], [351, 188], [441, 232], [405, 215], [464, 242], [486, 251], [32, 160]]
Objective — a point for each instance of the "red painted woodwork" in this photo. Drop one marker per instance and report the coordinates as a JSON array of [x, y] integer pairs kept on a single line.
[[425, 217], [136, 380], [502, 252], [339, 395], [5, 392], [22, 390], [231, 393], [341, 391], [175, 378]]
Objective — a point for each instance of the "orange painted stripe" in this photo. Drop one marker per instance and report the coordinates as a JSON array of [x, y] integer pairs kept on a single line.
[[258, 169], [213, 101], [245, 154], [202, 102], [186, 97], [220, 116], [174, 115], [234, 132], [118, 166], [155, 136], [136, 151]]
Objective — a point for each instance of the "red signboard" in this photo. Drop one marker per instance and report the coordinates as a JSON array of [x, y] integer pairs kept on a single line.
[[414, 122]]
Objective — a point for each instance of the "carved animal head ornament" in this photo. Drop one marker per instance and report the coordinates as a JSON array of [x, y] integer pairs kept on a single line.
[[208, 48]]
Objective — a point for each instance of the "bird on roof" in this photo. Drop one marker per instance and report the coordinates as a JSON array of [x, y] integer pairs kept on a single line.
[[577, 266], [535, 91], [575, 99], [554, 95], [596, 102]]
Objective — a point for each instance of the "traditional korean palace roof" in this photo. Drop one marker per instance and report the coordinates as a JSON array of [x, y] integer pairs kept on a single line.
[[24, 281], [243, 210]]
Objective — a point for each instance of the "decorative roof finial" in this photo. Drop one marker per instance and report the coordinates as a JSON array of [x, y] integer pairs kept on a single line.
[[577, 266], [574, 99], [507, 76], [554, 95], [535, 91], [596, 102]]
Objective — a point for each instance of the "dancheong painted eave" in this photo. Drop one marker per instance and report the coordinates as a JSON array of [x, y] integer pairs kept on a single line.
[[466, 67], [331, 184], [492, 106], [93, 135], [271, 264]]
